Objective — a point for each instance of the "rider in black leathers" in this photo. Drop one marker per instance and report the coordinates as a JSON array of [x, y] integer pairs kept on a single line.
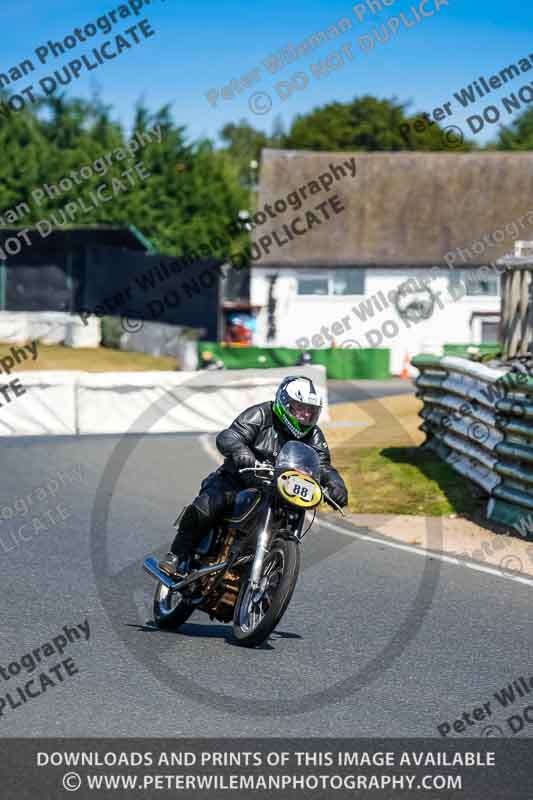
[[258, 433]]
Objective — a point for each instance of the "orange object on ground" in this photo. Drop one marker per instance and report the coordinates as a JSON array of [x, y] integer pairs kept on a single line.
[[404, 374]]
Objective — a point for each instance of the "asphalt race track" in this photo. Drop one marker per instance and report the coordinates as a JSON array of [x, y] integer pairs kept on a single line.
[[358, 391], [377, 641]]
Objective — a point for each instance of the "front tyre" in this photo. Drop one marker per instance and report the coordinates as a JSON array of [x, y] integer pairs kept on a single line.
[[170, 608], [257, 613]]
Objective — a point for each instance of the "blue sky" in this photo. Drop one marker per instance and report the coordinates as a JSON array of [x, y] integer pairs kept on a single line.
[[202, 46]]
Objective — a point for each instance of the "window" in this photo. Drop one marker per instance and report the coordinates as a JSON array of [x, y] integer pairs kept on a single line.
[[348, 281], [332, 282], [490, 332], [318, 285], [476, 284]]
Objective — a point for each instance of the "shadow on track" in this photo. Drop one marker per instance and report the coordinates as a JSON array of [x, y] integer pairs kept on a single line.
[[210, 632]]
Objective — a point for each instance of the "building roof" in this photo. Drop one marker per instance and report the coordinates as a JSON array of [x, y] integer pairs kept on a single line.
[[127, 236], [402, 209]]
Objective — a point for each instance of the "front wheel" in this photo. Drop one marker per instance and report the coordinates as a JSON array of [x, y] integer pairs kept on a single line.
[[258, 612], [170, 608]]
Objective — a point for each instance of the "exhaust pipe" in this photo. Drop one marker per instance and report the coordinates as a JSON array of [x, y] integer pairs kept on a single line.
[[150, 565]]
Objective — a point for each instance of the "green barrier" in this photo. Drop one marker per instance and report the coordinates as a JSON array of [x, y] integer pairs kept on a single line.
[[250, 357], [461, 350], [365, 364], [510, 515], [345, 365], [426, 361]]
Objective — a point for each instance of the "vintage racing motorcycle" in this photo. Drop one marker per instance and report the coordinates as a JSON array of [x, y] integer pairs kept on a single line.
[[246, 569]]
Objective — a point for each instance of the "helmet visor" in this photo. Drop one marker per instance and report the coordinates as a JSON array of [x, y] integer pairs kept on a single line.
[[306, 414]]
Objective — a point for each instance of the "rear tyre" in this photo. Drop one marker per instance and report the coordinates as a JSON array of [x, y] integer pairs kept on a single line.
[[171, 609], [257, 613]]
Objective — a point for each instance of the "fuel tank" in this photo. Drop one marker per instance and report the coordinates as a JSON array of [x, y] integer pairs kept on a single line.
[[249, 505]]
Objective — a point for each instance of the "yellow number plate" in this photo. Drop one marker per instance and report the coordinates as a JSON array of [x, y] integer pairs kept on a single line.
[[299, 489]]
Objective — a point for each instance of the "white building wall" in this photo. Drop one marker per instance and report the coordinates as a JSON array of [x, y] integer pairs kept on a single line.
[[299, 317]]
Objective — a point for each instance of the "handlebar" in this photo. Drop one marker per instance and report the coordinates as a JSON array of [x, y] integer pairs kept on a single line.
[[258, 468], [265, 467]]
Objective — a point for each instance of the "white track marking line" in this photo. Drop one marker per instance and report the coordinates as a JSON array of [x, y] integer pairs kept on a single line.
[[420, 551]]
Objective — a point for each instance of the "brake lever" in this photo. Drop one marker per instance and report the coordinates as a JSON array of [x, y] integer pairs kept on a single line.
[[332, 502], [260, 468]]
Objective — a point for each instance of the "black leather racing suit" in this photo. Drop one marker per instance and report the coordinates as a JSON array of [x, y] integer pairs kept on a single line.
[[259, 431]]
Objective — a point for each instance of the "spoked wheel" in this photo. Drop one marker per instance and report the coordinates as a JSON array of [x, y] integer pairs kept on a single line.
[[171, 609], [257, 612]]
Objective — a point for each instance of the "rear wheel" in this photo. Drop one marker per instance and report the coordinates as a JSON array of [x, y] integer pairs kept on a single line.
[[258, 612], [171, 609]]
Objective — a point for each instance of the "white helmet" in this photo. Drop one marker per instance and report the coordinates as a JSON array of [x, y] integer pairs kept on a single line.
[[298, 405]]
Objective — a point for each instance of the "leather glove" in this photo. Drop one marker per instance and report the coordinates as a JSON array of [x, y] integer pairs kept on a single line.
[[243, 459], [338, 493]]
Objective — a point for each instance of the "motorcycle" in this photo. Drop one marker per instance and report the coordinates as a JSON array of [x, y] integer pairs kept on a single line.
[[245, 570]]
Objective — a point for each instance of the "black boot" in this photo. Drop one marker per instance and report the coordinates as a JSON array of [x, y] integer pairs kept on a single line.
[[191, 529]]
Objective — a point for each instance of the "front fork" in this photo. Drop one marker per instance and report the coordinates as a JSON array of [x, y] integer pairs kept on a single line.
[[263, 542]]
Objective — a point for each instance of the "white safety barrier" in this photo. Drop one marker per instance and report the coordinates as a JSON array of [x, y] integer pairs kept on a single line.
[[49, 327], [161, 339], [47, 407], [141, 402]]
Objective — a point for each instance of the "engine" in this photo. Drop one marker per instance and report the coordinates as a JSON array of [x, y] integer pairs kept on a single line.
[[221, 593]]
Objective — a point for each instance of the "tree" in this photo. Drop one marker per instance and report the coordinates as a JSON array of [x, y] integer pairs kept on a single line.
[[366, 123], [518, 135], [193, 192], [244, 144], [26, 157]]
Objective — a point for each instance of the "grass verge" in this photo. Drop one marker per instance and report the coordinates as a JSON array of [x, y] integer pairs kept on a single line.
[[404, 480], [88, 359]]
